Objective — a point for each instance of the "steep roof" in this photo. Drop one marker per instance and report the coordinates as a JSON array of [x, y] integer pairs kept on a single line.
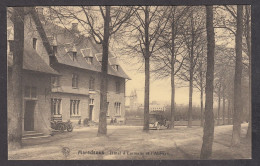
[[85, 46], [33, 61]]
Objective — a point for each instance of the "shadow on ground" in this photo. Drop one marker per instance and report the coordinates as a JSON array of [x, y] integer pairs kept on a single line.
[[131, 143]]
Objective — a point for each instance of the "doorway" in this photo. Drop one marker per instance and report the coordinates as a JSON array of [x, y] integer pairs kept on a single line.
[[29, 115], [90, 111]]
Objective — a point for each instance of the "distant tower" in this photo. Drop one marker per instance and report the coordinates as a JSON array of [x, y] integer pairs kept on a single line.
[[133, 101]]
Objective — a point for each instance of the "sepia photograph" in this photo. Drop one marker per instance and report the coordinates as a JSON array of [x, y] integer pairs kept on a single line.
[[129, 82]]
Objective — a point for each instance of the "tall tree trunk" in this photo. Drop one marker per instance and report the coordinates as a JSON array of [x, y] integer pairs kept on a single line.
[[201, 103], [208, 132], [172, 77], [190, 100], [147, 72], [237, 81], [191, 73], [172, 102], [102, 126], [219, 100], [201, 93], [248, 41], [229, 111], [224, 102], [15, 124]]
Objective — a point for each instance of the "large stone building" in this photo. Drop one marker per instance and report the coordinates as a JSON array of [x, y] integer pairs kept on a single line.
[[76, 91], [64, 69]]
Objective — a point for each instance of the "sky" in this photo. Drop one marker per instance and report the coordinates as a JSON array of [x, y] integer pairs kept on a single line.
[[160, 90]]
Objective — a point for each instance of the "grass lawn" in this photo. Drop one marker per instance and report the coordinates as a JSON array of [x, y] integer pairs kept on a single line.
[[131, 143]]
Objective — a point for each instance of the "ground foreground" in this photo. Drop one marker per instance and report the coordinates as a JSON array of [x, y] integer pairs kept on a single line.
[[129, 142]]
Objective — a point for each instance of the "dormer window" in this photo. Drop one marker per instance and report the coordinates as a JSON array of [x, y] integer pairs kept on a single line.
[[87, 54], [34, 43], [90, 60], [116, 67], [74, 53], [99, 57], [74, 56]]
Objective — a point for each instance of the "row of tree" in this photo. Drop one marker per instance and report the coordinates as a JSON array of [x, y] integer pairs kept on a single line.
[[178, 41], [172, 41]]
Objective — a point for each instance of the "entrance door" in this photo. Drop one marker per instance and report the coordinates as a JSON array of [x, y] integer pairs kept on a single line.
[[90, 111], [29, 116]]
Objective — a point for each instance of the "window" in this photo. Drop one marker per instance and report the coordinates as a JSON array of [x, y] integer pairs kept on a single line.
[[34, 43], [91, 102], [87, 54], [11, 45], [55, 81], [56, 106], [33, 92], [55, 50], [118, 108], [27, 91], [91, 83], [116, 67], [108, 111], [75, 78], [30, 92], [74, 108], [74, 56], [89, 59], [117, 87]]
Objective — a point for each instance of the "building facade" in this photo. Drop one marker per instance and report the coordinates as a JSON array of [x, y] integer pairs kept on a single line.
[[61, 77], [76, 91], [36, 81]]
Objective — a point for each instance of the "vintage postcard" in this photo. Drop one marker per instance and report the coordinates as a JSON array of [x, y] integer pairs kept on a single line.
[[129, 82]]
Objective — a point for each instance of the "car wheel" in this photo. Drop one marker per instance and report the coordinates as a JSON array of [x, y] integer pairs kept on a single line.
[[62, 127], [69, 128], [158, 127]]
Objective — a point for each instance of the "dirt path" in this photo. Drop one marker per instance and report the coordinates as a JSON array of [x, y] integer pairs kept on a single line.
[[129, 142]]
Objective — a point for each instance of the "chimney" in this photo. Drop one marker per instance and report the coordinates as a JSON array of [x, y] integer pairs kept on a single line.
[[74, 27], [40, 13]]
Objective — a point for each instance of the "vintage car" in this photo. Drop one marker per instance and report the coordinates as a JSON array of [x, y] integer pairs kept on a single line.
[[158, 121]]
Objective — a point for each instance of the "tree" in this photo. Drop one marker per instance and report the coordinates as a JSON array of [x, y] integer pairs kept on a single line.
[[237, 80], [145, 29], [199, 79], [15, 124], [248, 43], [231, 24], [218, 92], [170, 60], [175, 28], [102, 125], [194, 41], [101, 23], [208, 131], [111, 25], [224, 66]]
